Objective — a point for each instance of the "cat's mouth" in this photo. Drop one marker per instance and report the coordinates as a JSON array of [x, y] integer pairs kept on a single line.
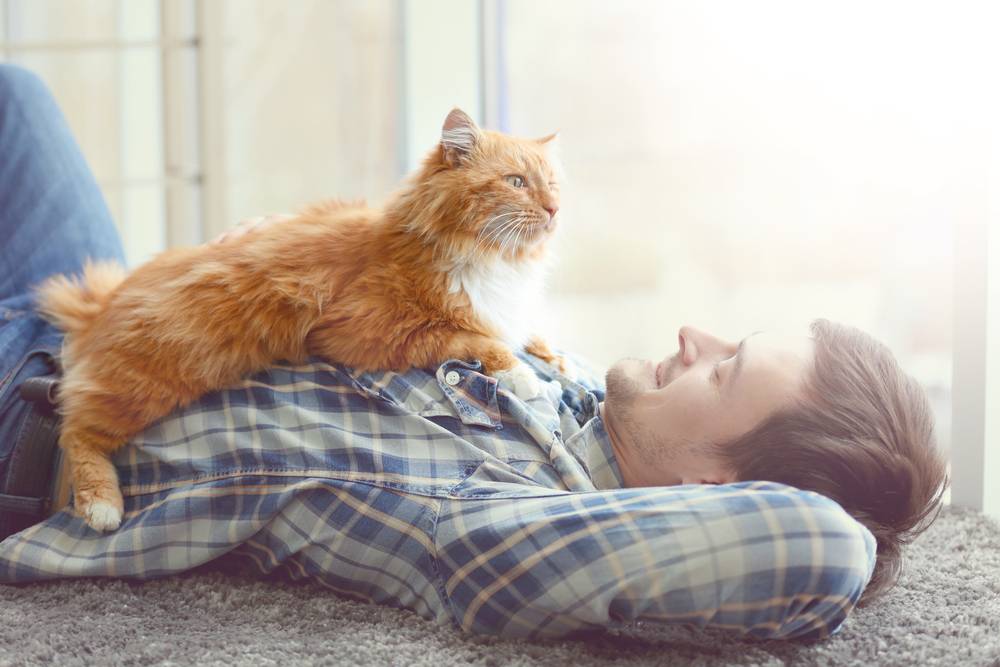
[[527, 235], [547, 227]]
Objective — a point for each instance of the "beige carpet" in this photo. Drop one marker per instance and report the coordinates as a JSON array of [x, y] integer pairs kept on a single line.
[[945, 612]]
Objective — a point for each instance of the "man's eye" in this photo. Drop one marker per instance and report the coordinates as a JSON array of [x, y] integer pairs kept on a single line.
[[716, 375], [514, 180]]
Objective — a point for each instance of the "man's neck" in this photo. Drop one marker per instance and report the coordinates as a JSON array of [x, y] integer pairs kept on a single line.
[[618, 447]]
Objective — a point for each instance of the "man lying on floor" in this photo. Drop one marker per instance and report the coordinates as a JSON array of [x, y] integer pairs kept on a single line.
[[765, 487]]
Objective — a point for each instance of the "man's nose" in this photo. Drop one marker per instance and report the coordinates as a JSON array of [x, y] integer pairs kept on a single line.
[[695, 342]]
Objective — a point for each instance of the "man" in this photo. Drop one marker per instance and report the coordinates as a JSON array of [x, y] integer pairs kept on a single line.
[[832, 413], [440, 491]]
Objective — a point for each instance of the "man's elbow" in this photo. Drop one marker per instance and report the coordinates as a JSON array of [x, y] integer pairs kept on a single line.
[[826, 576]]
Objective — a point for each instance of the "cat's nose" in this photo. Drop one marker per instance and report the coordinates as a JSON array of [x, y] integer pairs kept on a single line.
[[552, 209]]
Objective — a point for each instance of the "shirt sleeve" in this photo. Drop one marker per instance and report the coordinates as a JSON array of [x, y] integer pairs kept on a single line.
[[764, 559]]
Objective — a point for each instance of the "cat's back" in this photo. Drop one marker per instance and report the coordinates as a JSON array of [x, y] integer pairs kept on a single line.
[[334, 210], [294, 261], [326, 242], [328, 226]]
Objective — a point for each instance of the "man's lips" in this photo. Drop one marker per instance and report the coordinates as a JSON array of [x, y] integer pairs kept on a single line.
[[665, 369]]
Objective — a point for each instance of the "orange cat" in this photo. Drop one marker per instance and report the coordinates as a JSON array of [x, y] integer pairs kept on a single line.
[[445, 270]]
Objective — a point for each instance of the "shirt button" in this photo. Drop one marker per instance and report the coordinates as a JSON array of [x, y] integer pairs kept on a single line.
[[452, 378]]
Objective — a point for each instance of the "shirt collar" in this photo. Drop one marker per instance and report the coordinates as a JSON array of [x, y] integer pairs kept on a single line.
[[591, 445], [473, 394], [475, 397]]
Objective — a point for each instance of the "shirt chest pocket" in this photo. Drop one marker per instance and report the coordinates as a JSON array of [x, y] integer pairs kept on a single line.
[[424, 433], [469, 404], [457, 391]]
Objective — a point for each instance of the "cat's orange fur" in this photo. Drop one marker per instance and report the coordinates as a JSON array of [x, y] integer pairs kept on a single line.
[[370, 288]]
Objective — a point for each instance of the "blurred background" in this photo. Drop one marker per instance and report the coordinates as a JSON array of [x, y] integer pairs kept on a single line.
[[731, 165]]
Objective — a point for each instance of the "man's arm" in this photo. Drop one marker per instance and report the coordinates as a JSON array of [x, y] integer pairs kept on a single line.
[[760, 558]]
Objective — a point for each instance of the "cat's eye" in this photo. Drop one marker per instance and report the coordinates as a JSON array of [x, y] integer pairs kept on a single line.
[[515, 180]]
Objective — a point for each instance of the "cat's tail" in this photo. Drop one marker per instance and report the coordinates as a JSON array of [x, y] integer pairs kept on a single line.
[[72, 303]]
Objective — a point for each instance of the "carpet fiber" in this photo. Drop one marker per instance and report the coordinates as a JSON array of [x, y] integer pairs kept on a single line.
[[946, 611]]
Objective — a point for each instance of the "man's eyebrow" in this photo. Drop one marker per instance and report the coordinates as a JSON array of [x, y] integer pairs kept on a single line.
[[740, 359]]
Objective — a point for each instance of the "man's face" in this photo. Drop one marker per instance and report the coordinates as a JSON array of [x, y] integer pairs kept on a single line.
[[663, 417]]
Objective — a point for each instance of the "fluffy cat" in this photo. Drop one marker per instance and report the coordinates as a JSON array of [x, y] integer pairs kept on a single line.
[[444, 270]]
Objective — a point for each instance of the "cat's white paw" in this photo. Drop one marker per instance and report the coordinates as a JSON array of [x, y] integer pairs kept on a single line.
[[101, 515], [522, 381]]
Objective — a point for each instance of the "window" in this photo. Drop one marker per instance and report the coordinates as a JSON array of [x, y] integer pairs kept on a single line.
[[195, 114]]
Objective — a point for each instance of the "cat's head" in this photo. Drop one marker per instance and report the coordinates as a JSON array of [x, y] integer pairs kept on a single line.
[[482, 194]]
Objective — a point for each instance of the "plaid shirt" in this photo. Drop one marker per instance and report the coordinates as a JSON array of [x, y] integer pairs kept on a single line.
[[445, 494]]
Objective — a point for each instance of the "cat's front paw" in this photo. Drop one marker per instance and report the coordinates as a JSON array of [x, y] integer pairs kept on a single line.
[[101, 511], [521, 379]]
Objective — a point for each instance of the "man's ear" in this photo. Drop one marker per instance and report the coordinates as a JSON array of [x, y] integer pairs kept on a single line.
[[459, 135]]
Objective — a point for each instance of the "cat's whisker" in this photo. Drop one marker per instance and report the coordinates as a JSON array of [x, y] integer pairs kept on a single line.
[[497, 233], [499, 228], [480, 247], [487, 227], [509, 240], [506, 237], [500, 216], [517, 244], [488, 232]]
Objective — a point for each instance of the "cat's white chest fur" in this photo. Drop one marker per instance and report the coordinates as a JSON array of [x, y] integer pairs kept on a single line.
[[507, 296]]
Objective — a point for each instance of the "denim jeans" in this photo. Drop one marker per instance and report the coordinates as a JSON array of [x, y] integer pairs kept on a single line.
[[52, 218]]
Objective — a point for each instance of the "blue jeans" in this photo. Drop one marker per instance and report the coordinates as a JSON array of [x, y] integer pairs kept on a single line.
[[52, 218]]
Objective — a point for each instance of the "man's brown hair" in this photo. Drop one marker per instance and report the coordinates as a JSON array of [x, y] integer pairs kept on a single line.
[[864, 437]]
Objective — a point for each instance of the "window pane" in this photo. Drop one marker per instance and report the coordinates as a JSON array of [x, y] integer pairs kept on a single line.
[[142, 113], [86, 86], [311, 99], [62, 20], [139, 20], [142, 204]]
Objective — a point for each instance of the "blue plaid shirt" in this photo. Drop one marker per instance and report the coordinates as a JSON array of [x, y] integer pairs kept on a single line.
[[446, 494]]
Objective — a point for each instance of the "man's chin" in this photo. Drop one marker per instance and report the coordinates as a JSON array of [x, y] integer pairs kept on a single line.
[[631, 376]]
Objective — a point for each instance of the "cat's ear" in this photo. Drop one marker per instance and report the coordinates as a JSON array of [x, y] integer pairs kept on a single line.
[[458, 136], [551, 139]]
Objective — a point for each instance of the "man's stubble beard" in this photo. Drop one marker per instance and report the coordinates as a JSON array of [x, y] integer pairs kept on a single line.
[[620, 399]]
